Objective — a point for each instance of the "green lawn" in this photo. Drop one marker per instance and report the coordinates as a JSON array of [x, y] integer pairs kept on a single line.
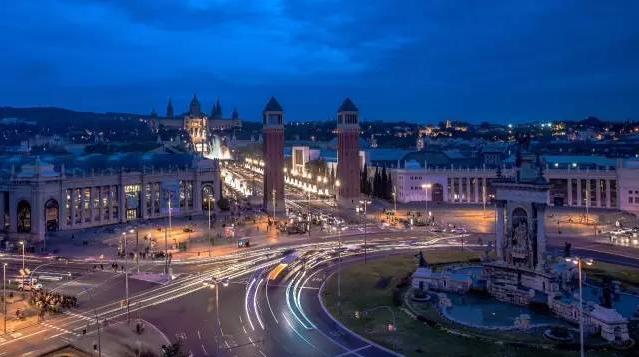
[[369, 285]]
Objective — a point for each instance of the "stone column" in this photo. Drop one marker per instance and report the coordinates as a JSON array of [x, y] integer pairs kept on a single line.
[[13, 212], [477, 199], [588, 194], [608, 202], [598, 192], [121, 201], [569, 192], [541, 236], [73, 207], [499, 230], [2, 209], [143, 198], [468, 189], [197, 191], [82, 206], [579, 193], [152, 198], [91, 204], [100, 202]]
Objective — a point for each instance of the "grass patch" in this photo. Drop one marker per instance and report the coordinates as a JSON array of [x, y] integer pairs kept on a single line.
[[361, 291], [628, 276]]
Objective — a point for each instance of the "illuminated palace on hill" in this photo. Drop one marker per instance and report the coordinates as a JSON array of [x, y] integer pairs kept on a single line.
[[198, 125]]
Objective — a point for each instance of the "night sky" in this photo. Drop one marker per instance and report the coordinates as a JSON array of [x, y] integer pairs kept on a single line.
[[425, 61]]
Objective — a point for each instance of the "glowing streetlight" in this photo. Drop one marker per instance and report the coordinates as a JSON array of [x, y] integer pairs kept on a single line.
[[22, 244], [578, 261]]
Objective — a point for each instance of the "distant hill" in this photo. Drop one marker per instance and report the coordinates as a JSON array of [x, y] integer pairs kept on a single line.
[[54, 114]]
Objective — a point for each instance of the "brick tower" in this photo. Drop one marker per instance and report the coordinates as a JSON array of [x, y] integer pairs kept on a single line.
[[273, 150], [348, 170]]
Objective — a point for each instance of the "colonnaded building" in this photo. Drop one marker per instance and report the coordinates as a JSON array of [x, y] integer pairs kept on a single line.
[[575, 181], [40, 195]]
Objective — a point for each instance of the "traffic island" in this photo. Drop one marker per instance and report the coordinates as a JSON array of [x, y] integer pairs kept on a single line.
[[414, 328]]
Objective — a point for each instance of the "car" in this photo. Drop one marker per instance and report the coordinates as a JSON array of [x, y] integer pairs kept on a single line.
[[458, 230], [28, 286], [62, 259], [437, 230], [187, 230]]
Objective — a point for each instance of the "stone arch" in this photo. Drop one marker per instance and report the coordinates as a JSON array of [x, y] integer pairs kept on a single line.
[[437, 193], [24, 217], [52, 215], [518, 215]]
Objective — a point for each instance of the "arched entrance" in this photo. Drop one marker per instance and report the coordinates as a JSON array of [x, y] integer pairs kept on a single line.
[[24, 217], [207, 194], [51, 215], [519, 216], [437, 193]]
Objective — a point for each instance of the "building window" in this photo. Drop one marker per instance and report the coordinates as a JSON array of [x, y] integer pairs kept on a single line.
[[86, 195], [67, 205], [24, 217], [156, 197], [132, 201], [147, 198]]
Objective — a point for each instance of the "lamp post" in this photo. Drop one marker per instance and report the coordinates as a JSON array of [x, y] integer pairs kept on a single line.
[[137, 252], [395, 198], [215, 284], [365, 203], [97, 323], [579, 262], [22, 244], [209, 198], [126, 277], [4, 295], [274, 192], [483, 191], [426, 186]]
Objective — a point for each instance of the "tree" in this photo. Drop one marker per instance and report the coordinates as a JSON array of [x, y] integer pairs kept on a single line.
[[384, 184], [224, 204], [389, 187], [363, 185], [376, 182]]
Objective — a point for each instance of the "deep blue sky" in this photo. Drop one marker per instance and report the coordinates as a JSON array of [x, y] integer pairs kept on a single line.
[[413, 60]]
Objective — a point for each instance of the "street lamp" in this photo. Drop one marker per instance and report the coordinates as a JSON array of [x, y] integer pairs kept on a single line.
[[426, 186], [126, 277], [214, 284], [22, 244], [210, 198], [365, 203], [578, 261], [395, 198], [335, 189], [4, 295]]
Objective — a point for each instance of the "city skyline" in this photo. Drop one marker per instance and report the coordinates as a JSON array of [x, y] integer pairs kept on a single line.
[[424, 63]]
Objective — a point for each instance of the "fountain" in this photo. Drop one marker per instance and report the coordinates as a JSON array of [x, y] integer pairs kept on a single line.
[[523, 287], [218, 150]]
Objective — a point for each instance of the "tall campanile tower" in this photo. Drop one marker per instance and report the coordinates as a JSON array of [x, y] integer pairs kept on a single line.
[[348, 171], [273, 150]]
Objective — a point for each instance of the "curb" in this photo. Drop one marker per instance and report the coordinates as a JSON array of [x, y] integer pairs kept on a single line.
[[363, 339]]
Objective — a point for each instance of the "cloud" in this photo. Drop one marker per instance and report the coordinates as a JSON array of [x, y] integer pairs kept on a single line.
[[400, 59]]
